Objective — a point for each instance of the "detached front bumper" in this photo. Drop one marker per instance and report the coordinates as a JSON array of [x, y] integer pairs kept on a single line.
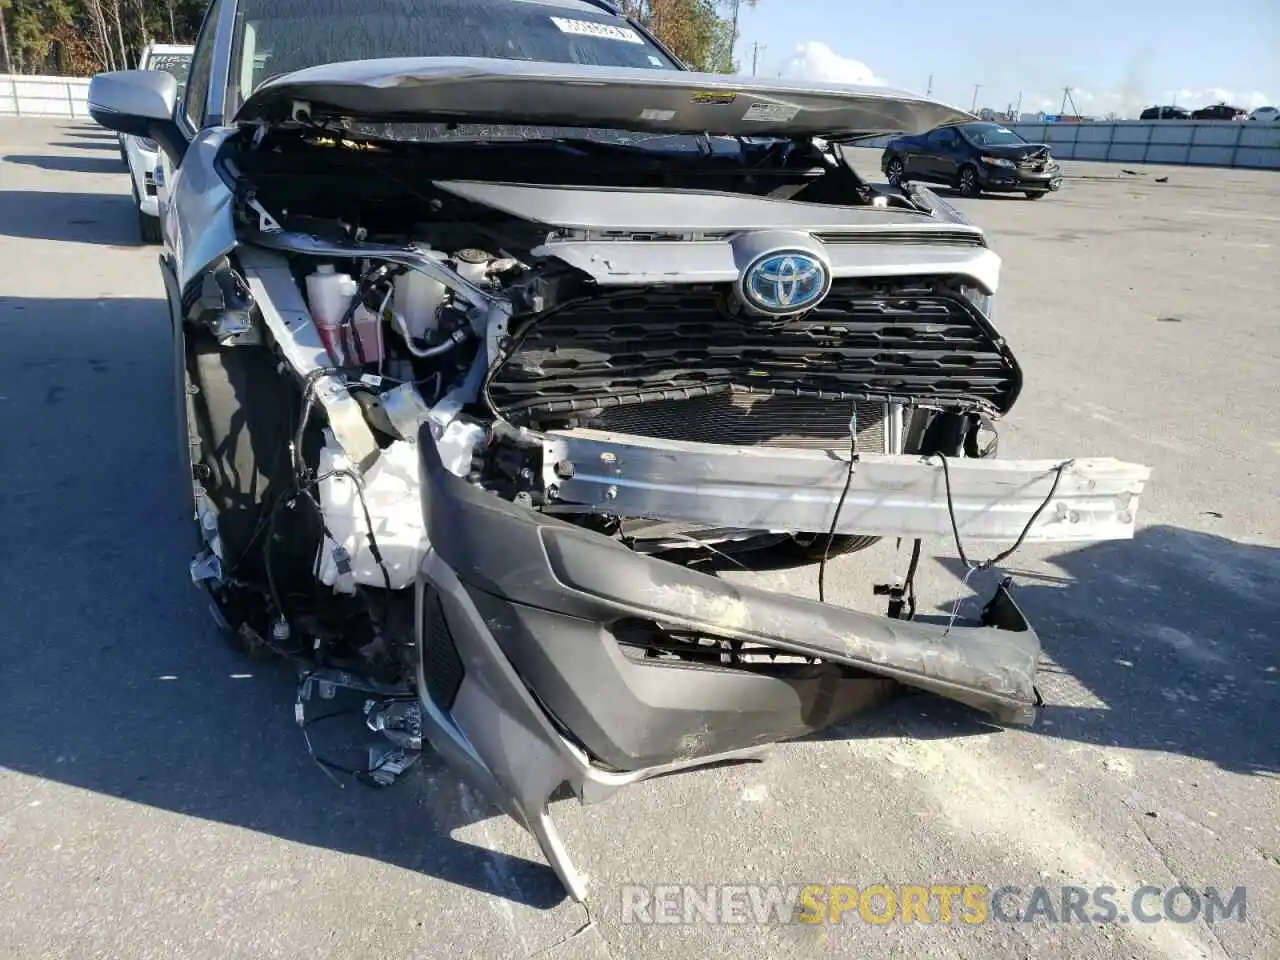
[[528, 684], [1002, 179]]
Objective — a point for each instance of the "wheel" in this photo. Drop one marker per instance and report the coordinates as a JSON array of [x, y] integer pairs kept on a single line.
[[149, 228], [1034, 194], [894, 170], [236, 416], [969, 182], [240, 422]]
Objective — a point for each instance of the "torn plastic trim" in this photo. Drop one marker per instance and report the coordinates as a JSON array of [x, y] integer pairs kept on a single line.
[[770, 488], [502, 741], [526, 557], [496, 730]]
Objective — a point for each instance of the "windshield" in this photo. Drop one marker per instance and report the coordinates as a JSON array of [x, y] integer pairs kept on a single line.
[[281, 36], [176, 64], [990, 135]]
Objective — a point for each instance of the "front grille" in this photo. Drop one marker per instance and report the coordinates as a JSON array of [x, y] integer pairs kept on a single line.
[[441, 665], [915, 338], [749, 419]]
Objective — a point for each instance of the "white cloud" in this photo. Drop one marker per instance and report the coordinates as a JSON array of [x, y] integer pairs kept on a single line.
[[815, 60]]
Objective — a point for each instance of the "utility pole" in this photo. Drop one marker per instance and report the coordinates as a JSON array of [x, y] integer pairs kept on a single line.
[[756, 49], [1067, 98], [976, 88], [1017, 111], [929, 87]]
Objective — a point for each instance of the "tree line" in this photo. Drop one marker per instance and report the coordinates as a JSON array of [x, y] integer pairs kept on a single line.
[[702, 33], [83, 37]]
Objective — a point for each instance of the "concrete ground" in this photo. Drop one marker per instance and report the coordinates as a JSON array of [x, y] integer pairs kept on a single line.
[[156, 799]]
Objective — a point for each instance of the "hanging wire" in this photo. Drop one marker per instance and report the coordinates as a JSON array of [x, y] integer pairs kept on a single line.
[[835, 519]]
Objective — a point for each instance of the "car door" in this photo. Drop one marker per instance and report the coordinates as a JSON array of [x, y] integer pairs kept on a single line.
[[942, 162], [193, 227]]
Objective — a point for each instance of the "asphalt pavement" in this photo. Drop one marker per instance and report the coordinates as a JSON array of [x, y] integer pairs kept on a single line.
[[156, 798]]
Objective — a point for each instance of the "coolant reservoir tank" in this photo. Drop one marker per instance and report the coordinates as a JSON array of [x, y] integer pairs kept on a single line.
[[472, 264], [328, 295], [418, 298]]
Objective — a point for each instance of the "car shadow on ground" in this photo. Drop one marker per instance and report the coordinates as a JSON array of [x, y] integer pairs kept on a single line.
[[96, 143], [116, 680], [103, 218], [1164, 643], [91, 133], [66, 164], [953, 193]]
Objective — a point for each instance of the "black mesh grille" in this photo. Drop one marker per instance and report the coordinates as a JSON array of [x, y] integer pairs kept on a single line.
[[753, 419], [441, 665], [916, 338]]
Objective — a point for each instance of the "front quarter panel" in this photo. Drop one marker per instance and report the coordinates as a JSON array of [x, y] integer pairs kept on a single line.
[[199, 225]]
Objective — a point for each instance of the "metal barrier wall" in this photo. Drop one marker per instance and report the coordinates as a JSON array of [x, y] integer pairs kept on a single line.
[[1246, 144], [1212, 143], [24, 96]]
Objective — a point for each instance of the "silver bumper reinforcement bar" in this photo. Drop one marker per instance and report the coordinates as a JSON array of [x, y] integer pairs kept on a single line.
[[797, 490]]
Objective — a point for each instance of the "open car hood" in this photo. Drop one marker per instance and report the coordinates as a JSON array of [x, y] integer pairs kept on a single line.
[[469, 90]]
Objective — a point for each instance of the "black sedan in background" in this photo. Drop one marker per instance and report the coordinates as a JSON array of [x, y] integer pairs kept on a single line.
[[973, 157]]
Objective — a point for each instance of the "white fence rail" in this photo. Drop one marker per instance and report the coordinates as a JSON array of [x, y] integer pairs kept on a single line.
[[22, 96]]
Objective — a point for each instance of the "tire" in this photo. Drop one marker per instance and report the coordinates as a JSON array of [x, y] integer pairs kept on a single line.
[[894, 169], [233, 412], [242, 412], [149, 229], [968, 182], [1035, 194]]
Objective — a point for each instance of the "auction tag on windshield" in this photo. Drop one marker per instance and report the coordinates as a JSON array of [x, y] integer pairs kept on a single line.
[[772, 112], [589, 28]]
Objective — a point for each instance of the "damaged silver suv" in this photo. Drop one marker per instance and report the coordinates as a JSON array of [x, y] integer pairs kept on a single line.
[[496, 331]]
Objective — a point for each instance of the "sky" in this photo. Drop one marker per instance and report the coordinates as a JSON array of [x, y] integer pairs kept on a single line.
[[1116, 55]]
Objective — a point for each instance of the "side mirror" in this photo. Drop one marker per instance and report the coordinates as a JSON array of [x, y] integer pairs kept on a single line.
[[139, 103]]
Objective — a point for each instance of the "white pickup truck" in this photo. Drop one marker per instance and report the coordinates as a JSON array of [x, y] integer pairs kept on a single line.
[[141, 154]]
